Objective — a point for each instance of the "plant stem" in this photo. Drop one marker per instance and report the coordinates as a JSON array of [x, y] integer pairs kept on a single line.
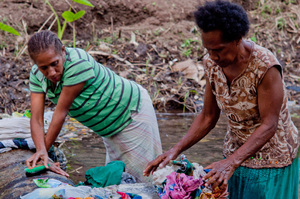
[[74, 41], [59, 33]]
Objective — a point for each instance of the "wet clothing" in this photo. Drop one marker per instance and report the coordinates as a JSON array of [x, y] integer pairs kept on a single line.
[[106, 101], [119, 110], [240, 104], [139, 143], [266, 183], [110, 174]]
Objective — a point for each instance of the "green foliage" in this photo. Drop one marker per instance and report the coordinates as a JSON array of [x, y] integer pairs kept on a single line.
[[253, 38], [147, 64], [266, 10], [186, 95], [108, 39], [280, 23], [188, 42], [278, 10], [68, 16], [295, 115], [84, 2], [87, 46], [179, 81], [184, 100], [187, 52], [158, 31], [115, 51], [290, 2], [187, 46], [279, 50], [3, 45], [9, 29]]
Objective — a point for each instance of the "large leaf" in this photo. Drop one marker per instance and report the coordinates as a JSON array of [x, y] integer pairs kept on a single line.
[[9, 29], [70, 16], [84, 2]]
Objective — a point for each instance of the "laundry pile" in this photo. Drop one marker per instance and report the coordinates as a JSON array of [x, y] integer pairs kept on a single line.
[[183, 180], [101, 183]]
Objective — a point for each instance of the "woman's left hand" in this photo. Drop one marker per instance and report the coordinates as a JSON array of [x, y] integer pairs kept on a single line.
[[219, 174]]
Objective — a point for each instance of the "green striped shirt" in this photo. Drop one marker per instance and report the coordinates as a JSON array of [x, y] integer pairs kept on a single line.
[[106, 101]]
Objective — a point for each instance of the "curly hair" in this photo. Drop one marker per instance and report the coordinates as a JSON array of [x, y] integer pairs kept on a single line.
[[42, 41], [230, 18]]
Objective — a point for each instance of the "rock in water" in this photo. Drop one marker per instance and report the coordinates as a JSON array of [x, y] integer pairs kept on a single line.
[[13, 181]]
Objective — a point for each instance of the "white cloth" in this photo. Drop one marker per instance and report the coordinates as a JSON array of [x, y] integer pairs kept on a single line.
[[11, 128]]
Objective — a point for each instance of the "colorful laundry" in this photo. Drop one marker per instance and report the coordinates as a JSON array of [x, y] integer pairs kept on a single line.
[[180, 186], [16, 143], [55, 189], [185, 166], [184, 181], [129, 195]]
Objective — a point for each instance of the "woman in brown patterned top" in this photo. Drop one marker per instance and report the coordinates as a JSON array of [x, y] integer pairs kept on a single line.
[[244, 81]]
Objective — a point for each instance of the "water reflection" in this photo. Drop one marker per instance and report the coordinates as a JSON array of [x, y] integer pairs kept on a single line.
[[90, 152]]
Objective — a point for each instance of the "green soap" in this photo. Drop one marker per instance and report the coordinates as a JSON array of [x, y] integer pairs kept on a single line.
[[36, 170]]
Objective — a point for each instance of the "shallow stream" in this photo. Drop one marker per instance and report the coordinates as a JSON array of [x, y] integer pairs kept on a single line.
[[90, 151]]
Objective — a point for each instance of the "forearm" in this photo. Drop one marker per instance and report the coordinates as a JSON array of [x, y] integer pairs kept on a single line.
[[255, 142], [66, 98], [54, 128], [37, 134]]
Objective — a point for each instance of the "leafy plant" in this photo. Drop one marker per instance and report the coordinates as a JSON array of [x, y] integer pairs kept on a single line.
[[280, 23], [253, 38], [188, 42], [187, 46], [186, 96], [69, 16], [147, 63], [266, 10], [9, 29], [187, 52]]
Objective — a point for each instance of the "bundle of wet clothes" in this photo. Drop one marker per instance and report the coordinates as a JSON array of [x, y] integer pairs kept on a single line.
[[101, 183], [183, 180]]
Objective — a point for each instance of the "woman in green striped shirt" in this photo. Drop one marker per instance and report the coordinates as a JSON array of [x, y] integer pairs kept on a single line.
[[117, 109]]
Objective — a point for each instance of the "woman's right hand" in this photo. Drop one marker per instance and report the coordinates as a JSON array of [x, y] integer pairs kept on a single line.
[[40, 155], [55, 167], [161, 161]]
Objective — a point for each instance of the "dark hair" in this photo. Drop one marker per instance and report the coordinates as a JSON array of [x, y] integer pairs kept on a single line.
[[42, 41], [230, 18]]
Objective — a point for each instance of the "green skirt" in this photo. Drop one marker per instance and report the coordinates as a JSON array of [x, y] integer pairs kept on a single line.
[[267, 183]]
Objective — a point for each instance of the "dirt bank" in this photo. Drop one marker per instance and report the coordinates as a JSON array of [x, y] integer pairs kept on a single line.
[[142, 40]]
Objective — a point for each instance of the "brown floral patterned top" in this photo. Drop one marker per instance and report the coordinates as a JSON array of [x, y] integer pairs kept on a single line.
[[241, 108]]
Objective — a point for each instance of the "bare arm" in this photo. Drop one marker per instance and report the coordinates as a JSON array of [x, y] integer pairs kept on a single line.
[[66, 98], [37, 120], [201, 126], [203, 123], [270, 97]]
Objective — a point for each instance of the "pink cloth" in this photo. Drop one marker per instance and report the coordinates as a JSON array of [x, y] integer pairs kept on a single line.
[[180, 186]]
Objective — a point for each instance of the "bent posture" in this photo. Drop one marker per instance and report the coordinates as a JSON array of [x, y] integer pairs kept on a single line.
[[115, 108], [243, 80]]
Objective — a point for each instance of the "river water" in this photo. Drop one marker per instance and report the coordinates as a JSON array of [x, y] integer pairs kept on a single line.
[[90, 151]]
